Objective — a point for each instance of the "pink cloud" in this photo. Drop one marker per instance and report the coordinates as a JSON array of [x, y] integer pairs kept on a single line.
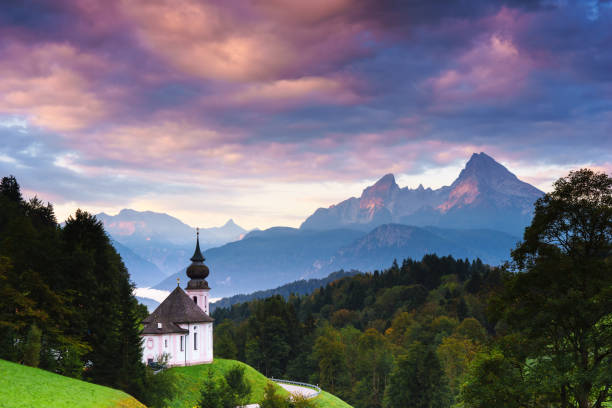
[[289, 93], [494, 69], [48, 84], [240, 41]]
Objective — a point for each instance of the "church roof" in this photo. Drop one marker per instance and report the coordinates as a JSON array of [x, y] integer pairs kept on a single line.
[[177, 308], [167, 327]]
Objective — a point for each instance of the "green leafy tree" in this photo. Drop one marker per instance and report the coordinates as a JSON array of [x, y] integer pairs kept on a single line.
[[417, 381], [212, 394], [238, 384], [496, 380], [160, 387], [272, 399], [561, 299], [330, 352], [298, 400], [224, 344], [31, 353], [374, 363]]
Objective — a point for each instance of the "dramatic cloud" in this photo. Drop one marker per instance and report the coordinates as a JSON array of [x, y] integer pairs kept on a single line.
[[265, 110]]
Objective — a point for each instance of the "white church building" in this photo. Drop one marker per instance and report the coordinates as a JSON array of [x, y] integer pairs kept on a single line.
[[181, 326]]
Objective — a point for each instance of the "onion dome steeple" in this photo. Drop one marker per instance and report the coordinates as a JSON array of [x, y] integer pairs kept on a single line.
[[197, 271], [197, 255]]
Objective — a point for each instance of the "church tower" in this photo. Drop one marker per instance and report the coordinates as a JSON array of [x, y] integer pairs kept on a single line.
[[181, 327], [197, 287]]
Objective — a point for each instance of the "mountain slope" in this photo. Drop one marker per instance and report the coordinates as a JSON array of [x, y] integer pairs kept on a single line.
[[271, 258], [485, 195], [163, 240], [265, 259], [24, 387], [142, 272], [378, 248], [300, 287]]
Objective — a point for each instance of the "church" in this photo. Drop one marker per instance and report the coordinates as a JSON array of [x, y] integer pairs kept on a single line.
[[181, 326]]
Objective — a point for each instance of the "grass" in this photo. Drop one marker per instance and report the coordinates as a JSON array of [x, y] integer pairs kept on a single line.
[[327, 400], [22, 386], [191, 379]]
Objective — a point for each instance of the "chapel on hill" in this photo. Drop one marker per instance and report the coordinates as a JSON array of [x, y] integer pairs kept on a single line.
[[181, 326]]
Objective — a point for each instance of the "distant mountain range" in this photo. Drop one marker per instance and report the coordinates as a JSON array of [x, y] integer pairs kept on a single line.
[[143, 272], [300, 287], [485, 195], [270, 258], [155, 245], [481, 214]]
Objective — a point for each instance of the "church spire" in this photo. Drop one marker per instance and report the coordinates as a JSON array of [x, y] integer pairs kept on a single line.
[[197, 271], [197, 255]]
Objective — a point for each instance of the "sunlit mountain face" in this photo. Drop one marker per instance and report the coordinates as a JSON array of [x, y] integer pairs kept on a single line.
[[485, 195]]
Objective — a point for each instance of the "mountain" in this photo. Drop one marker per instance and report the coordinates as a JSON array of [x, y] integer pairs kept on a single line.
[[142, 272], [151, 304], [485, 195], [379, 247], [300, 287], [270, 258], [163, 240]]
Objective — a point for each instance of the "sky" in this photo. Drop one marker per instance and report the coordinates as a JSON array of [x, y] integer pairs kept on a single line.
[[264, 110]]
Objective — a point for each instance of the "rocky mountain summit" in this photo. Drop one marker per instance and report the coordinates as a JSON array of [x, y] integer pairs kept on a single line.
[[485, 195]]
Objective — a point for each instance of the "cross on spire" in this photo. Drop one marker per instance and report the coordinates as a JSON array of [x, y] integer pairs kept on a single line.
[[197, 255]]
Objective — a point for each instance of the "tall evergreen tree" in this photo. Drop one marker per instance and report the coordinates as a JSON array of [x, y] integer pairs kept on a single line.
[[109, 312]]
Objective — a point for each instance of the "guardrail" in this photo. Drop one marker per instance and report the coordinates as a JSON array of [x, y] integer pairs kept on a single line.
[[301, 384]]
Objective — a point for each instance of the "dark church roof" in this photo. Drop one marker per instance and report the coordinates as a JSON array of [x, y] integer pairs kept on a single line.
[[178, 307]]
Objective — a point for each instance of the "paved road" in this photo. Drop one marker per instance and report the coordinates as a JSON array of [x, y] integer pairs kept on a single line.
[[293, 389], [296, 389]]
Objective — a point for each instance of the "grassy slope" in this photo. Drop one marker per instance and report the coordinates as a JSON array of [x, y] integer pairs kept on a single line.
[[327, 400], [22, 386], [191, 379]]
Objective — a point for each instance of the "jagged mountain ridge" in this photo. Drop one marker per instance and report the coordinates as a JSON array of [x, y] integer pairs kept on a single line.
[[162, 240], [485, 195]]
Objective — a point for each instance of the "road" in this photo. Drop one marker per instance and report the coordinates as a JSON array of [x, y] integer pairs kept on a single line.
[[293, 389], [296, 389]]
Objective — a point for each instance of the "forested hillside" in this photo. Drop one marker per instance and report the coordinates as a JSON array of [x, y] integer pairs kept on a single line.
[[66, 302], [300, 287], [348, 335], [440, 331]]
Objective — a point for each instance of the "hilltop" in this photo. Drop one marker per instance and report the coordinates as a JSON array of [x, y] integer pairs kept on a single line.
[[25, 387]]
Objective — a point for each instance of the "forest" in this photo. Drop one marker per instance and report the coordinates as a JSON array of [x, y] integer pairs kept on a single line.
[[441, 332], [66, 302]]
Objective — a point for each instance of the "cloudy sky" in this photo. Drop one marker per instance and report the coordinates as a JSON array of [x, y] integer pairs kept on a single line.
[[264, 110]]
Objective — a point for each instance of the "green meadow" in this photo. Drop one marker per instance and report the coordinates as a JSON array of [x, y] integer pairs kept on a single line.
[[27, 387]]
